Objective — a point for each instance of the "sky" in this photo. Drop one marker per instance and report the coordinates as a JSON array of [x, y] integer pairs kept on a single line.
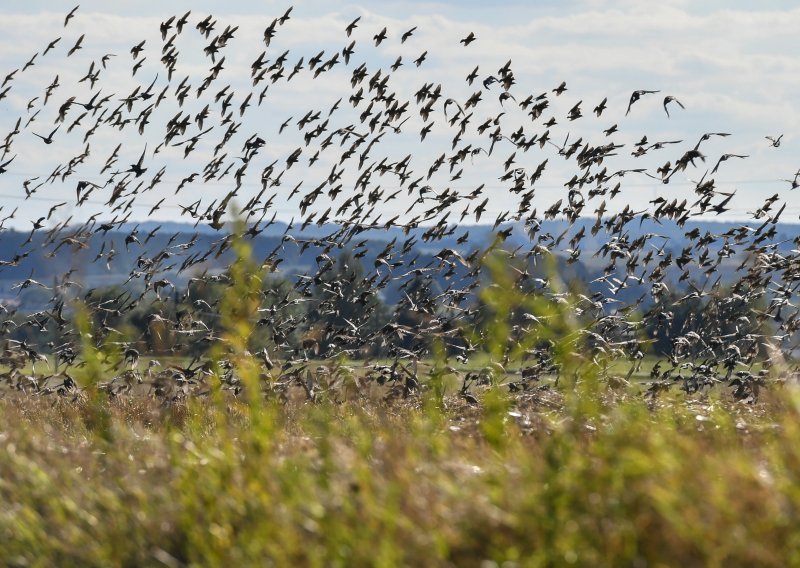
[[732, 65]]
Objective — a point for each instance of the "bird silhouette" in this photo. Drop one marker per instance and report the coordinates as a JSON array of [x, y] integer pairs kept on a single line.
[[77, 45], [70, 15], [670, 99], [407, 34], [3, 168], [49, 138], [468, 40], [775, 141], [352, 26], [724, 158], [635, 96], [379, 37]]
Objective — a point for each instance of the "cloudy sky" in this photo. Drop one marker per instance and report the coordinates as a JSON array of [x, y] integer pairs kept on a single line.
[[732, 64]]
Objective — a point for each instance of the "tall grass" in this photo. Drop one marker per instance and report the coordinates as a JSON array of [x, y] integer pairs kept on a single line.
[[577, 474]]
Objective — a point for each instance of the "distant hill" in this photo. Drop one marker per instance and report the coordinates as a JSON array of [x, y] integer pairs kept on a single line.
[[90, 264]]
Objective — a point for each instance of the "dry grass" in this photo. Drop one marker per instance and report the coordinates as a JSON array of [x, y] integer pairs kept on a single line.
[[695, 481]]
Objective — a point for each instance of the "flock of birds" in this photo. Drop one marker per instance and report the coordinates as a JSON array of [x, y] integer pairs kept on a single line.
[[360, 184]]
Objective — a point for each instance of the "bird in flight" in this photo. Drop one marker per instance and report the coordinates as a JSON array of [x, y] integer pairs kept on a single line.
[[708, 135], [635, 96], [468, 40], [670, 99], [774, 142], [137, 168], [351, 26], [49, 138], [51, 45], [379, 37], [724, 158], [71, 15], [598, 110], [285, 18], [77, 45], [4, 164]]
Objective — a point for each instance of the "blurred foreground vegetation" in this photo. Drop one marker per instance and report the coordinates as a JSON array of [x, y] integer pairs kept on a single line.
[[546, 479]]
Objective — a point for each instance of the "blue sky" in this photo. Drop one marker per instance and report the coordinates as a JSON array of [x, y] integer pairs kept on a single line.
[[732, 64]]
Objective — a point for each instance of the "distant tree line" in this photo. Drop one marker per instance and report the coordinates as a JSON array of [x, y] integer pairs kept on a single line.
[[337, 312]]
